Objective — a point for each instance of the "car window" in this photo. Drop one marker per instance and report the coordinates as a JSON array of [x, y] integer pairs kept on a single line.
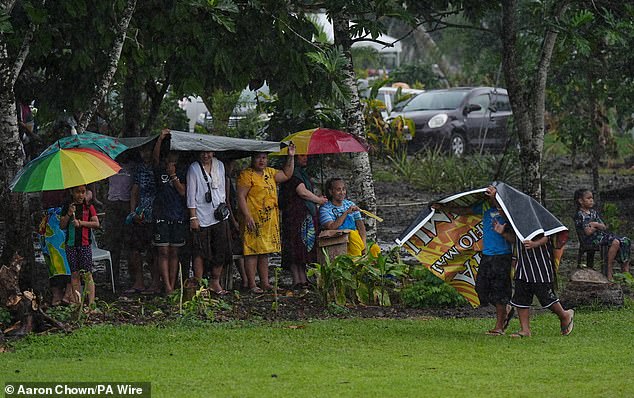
[[501, 102], [483, 101], [434, 100]]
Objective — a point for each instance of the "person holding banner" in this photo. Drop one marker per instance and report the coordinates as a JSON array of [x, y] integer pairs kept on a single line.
[[535, 276], [341, 213], [493, 281]]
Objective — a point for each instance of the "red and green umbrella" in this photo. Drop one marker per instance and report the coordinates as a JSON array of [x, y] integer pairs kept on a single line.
[[321, 140], [64, 168], [99, 142]]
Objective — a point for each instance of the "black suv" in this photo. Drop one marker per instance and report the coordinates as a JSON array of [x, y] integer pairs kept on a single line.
[[458, 119]]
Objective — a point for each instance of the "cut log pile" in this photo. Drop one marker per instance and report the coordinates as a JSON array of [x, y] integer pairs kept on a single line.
[[24, 306]]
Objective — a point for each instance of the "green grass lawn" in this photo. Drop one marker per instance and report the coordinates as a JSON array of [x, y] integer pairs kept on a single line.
[[351, 357]]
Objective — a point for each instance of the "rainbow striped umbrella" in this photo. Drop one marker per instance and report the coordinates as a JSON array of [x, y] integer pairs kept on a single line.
[[111, 146], [64, 168], [320, 140]]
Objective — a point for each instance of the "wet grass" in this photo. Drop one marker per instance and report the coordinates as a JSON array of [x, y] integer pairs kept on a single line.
[[352, 357]]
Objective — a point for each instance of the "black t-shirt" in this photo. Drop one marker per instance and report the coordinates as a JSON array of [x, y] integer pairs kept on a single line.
[[169, 205]]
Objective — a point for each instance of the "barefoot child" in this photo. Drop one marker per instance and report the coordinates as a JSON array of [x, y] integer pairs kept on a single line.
[[595, 232], [78, 218]]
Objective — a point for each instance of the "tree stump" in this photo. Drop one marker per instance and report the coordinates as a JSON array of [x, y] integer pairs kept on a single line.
[[24, 306], [589, 287]]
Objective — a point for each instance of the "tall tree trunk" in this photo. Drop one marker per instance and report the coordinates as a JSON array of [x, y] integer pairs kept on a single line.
[[431, 47], [362, 172], [102, 86], [132, 100], [155, 96], [527, 94], [15, 209]]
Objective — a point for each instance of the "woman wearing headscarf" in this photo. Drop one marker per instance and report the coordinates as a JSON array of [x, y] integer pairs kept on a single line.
[[298, 203]]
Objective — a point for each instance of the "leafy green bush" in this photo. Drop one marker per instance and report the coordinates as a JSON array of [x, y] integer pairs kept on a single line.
[[60, 313], [334, 278], [427, 290], [417, 75], [625, 279], [200, 306], [368, 279], [385, 137], [377, 275]]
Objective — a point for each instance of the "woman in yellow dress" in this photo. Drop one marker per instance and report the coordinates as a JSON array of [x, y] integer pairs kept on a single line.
[[257, 200]]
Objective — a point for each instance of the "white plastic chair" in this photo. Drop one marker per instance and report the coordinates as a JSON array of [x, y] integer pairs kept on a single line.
[[101, 255]]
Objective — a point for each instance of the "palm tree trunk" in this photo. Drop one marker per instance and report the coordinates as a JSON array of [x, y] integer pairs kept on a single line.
[[362, 181], [15, 210]]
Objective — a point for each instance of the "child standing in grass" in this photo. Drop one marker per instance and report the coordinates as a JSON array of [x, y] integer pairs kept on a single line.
[[78, 218]]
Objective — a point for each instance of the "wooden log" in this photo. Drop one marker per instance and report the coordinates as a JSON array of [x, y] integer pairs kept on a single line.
[[24, 306]]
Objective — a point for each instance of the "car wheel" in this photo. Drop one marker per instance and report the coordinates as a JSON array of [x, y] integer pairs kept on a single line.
[[458, 145]]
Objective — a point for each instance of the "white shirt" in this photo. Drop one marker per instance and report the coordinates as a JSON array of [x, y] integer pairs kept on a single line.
[[197, 188]]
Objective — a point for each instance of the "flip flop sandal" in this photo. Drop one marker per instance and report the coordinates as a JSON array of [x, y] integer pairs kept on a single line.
[[256, 290], [518, 335], [494, 332], [510, 312]]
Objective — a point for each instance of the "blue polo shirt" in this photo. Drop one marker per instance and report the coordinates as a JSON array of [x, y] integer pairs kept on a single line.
[[329, 212]]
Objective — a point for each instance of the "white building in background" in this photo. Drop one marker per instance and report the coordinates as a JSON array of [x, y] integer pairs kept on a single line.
[[390, 53]]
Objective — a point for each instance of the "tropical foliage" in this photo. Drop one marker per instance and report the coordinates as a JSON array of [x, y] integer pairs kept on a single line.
[[368, 279], [426, 290], [378, 278]]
